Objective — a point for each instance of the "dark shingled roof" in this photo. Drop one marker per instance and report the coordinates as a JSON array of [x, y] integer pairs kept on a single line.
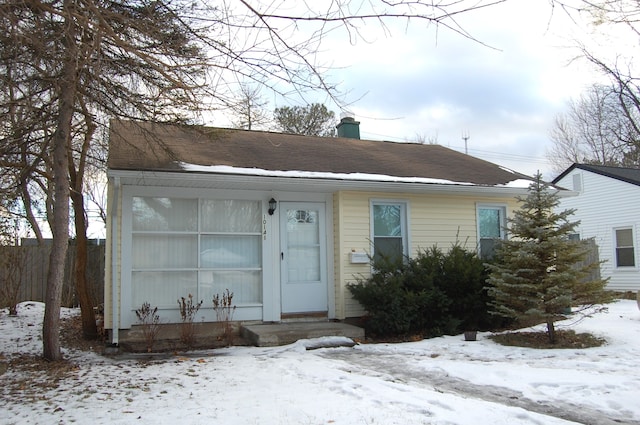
[[161, 147], [629, 175]]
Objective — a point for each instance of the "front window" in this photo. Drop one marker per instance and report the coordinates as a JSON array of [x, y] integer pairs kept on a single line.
[[625, 252], [389, 231], [491, 228], [198, 247]]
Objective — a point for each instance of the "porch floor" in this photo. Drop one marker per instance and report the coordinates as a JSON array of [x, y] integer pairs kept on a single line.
[[271, 335]]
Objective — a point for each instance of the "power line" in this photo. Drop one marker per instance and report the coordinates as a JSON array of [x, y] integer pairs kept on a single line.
[[479, 152]]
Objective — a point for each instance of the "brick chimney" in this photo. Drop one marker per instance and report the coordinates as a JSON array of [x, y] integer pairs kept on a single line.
[[348, 126]]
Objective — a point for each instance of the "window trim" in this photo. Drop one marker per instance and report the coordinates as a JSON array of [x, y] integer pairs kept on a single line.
[[503, 221], [616, 247], [404, 222]]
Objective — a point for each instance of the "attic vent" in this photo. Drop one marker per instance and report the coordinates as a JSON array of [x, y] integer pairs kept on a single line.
[[577, 182]]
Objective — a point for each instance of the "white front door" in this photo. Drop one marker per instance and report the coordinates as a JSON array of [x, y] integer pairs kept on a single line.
[[303, 257]]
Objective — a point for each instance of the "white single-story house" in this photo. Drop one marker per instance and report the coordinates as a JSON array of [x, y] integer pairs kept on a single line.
[[283, 221], [608, 208]]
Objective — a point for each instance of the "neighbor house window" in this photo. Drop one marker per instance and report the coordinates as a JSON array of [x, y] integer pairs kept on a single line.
[[491, 228], [199, 247], [625, 252], [389, 230]]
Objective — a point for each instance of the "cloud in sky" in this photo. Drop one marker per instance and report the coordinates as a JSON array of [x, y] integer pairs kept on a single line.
[[440, 85], [405, 81]]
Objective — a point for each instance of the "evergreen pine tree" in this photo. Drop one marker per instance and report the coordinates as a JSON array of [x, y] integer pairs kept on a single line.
[[538, 272]]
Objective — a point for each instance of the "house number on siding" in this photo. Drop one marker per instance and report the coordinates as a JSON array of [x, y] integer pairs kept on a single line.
[[264, 227]]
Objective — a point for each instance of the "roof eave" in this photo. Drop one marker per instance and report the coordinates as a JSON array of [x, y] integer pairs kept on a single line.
[[326, 185]]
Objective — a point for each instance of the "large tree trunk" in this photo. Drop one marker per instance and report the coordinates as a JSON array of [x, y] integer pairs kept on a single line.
[[60, 169], [60, 230], [76, 176]]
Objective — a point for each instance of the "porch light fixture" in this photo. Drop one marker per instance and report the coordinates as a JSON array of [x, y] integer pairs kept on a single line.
[[272, 206]]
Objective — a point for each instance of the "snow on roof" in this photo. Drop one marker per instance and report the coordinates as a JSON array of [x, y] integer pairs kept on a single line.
[[224, 169]]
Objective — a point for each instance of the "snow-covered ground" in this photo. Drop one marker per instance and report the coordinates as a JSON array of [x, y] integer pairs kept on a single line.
[[438, 381]]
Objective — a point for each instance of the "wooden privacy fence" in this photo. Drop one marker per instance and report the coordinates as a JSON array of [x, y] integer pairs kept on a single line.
[[592, 257], [23, 271]]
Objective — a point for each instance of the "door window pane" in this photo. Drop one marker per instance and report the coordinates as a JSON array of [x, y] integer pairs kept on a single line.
[[303, 245]]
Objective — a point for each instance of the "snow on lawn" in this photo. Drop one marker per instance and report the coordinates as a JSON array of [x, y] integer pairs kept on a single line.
[[437, 381]]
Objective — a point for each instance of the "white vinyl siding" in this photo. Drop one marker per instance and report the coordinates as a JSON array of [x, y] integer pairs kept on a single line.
[[603, 206], [432, 220]]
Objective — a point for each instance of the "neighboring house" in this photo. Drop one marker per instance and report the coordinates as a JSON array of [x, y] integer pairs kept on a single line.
[[608, 208], [283, 221]]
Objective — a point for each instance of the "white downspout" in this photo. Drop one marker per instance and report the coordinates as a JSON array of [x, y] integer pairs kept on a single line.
[[115, 302]]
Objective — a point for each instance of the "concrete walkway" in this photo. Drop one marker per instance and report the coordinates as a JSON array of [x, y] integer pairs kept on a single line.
[[271, 335]]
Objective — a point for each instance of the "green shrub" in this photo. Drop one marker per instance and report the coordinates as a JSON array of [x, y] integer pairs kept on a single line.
[[463, 278], [433, 294]]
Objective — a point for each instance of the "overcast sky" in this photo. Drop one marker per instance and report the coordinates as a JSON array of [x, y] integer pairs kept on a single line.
[[440, 86]]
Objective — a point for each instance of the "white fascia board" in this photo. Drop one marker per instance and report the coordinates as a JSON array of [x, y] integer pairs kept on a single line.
[[302, 184]]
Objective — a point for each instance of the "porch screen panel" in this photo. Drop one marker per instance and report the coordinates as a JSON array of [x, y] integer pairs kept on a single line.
[[231, 216], [244, 284], [231, 249], [164, 250], [162, 289], [165, 214], [152, 251]]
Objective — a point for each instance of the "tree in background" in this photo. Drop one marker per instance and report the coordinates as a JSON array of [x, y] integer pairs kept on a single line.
[[536, 274], [249, 111], [618, 102], [310, 120], [594, 130]]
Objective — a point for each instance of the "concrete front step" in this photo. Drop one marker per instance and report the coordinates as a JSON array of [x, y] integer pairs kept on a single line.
[[271, 335]]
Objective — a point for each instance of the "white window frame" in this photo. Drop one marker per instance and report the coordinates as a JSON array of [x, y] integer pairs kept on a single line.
[[404, 222], [616, 247], [502, 208]]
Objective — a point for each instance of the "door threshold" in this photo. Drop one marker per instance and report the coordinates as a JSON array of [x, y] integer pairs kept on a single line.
[[311, 316]]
